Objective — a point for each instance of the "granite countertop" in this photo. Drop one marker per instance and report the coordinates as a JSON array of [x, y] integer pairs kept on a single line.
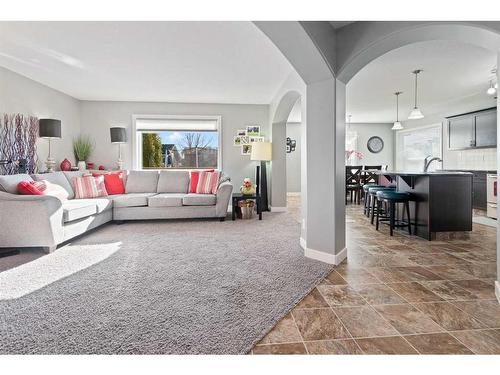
[[434, 173]]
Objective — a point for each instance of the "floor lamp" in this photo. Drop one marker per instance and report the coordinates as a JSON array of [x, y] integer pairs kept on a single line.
[[263, 152]]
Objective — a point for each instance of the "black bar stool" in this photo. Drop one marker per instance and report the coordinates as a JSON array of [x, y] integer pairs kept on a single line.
[[366, 197], [372, 192], [391, 198]]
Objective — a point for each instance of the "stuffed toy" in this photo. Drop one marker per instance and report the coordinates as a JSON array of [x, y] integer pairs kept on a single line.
[[247, 188]]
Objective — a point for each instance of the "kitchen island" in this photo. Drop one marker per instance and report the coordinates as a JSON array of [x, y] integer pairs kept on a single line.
[[441, 202]]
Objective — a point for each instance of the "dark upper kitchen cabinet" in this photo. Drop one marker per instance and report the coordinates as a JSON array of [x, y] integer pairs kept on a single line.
[[461, 132], [486, 129], [473, 130]]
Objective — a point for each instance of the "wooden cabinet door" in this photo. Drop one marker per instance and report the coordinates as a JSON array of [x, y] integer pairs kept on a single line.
[[461, 132], [486, 129]]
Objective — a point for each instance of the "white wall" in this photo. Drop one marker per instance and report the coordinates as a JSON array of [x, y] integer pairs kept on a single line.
[[98, 116], [19, 94], [293, 163], [365, 132]]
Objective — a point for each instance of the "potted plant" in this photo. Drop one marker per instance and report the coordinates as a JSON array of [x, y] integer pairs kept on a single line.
[[82, 148]]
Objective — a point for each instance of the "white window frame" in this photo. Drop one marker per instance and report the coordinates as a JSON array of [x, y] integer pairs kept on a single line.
[[400, 133], [136, 144]]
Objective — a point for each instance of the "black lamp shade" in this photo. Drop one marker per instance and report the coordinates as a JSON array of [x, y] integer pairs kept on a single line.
[[118, 135], [49, 128]]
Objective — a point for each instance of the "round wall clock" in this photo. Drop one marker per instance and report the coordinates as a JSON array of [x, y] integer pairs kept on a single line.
[[375, 144]]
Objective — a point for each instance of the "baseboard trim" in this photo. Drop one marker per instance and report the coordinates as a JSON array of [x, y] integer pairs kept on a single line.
[[497, 290], [278, 209], [303, 243], [335, 259]]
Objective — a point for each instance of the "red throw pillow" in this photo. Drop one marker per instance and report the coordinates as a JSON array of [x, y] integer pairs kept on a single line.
[[193, 181], [208, 182], [113, 182], [31, 187]]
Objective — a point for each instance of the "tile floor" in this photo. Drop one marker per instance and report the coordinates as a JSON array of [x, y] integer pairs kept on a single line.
[[400, 295]]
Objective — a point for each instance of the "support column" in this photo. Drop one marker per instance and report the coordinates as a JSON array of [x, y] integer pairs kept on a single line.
[[325, 144]]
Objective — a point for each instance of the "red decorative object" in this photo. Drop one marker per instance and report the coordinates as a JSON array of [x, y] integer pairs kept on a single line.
[[65, 165], [113, 182], [102, 168], [90, 165]]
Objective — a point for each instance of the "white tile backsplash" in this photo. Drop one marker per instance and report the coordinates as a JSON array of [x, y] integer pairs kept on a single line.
[[485, 159]]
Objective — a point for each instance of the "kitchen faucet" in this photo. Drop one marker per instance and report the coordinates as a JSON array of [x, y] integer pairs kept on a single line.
[[428, 161]]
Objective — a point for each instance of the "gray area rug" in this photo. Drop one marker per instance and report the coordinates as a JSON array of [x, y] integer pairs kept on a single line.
[[168, 287]]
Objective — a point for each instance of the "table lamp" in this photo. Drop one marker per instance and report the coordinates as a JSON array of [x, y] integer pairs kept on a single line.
[[49, 128], [263, 152], [119, 136]]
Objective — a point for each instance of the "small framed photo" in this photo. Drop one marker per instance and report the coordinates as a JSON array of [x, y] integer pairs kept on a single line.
[[245, 140], [237, 141], [246, 149], [241, 132], [253, 130], [256, 139]]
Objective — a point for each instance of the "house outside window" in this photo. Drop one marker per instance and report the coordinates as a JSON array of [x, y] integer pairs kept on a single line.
[[177, 142]]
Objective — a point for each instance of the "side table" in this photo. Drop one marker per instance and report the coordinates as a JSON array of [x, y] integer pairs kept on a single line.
[[240, 197]]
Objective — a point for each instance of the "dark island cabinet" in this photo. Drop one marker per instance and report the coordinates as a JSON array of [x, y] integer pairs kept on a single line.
[[473, 130]]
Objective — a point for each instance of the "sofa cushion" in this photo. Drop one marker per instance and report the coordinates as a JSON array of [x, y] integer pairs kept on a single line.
[[173, 182], [102, 204], [132, 200], [199, 200], [142, 182], [166, 200], [57, 178], [78, 208], [8, 183]]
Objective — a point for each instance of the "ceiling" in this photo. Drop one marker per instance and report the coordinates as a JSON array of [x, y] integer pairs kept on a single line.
[[202, 62], [340, 24], [453, 73]]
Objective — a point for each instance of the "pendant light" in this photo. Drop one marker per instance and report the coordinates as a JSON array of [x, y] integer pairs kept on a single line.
[[416, 113], [491, 90], [397, 125]]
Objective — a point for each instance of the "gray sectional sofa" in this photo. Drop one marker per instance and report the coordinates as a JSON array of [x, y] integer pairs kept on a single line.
[[46, 221]]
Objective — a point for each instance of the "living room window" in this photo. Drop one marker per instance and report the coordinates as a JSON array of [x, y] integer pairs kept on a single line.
[[177, 142]]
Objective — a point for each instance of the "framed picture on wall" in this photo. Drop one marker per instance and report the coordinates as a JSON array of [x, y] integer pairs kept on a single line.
[[256, 139], [237, 141], [245, 140], [253, 130], [241, 132], [246, 149]]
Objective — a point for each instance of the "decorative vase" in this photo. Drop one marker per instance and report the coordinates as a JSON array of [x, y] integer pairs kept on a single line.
[[82, 166], [102, 167], [65, 165], [90, 165]]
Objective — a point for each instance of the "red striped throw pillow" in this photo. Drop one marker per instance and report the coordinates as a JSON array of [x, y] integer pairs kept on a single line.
[[89, 187], [207, 182]]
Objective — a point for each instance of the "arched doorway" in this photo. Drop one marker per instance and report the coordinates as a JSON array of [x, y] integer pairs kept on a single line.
[[326, 60], [278, 136]]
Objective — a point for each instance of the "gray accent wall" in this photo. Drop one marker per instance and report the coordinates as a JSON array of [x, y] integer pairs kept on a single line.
[[19, 94], [98, 116], [365, 132]]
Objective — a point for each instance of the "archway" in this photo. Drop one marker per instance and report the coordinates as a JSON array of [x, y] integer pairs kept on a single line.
[[278, 135], [326, 60], [377, 38]]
